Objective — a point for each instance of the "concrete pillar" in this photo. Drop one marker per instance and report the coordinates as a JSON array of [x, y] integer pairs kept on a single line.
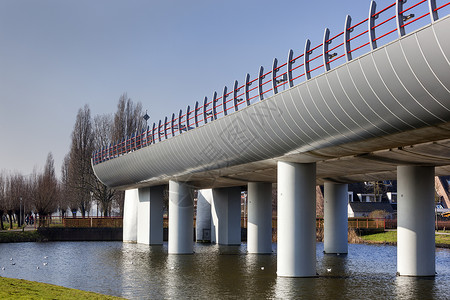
[[150, 216], [259, 226], [181, 218], [226, 216], [130, 206], [335, 218], [296, 232], [203, 221], [415, 221]]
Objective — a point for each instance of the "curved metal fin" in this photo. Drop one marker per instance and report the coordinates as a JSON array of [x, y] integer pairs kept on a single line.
[[326, 57], [306, 59]]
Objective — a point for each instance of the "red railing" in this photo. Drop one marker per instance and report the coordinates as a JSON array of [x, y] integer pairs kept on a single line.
[[311, 62]]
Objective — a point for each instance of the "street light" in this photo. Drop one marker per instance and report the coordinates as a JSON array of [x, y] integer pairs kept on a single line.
[[146, 117], [20, 221]]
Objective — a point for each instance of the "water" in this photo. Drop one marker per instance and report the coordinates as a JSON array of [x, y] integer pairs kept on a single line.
[[226, 272]]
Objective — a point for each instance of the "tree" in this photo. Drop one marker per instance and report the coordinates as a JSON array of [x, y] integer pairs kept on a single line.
[[80, 173], [46, 194], [103, 130], [14, 191], [67, 200], [127, 119]]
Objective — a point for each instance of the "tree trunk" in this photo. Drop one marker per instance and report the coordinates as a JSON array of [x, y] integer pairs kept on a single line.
[[18, 217], [1, 219], [10, 220]]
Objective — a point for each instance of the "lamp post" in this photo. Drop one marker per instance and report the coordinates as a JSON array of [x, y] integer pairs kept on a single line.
[[20, 220]]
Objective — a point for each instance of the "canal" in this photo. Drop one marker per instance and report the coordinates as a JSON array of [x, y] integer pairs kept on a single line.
[[147, 272]]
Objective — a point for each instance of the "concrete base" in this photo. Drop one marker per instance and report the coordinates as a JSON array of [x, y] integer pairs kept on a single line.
[[259, 226], [130, 216], [150, 216], [226, 216], [181, 218], [203, 220], [415, 221], [296, 250], [335, 218]]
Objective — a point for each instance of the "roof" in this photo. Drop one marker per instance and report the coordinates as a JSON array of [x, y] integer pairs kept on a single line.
[[371, 206]]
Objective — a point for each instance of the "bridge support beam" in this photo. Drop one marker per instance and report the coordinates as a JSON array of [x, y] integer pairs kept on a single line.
[[181, 218], [296, 232], [259, 226], [150, 216], [335, 218], [226, 216], [415, 221], [203, 220], [130, 206]]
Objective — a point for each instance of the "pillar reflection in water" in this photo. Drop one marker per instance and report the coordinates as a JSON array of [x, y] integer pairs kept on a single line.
[[140, 266], [416, 288]]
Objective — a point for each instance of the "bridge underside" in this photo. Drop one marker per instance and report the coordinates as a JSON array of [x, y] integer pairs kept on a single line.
[[373, 159]]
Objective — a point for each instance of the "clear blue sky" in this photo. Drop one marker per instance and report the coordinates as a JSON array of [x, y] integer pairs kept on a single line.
[[56, 56]]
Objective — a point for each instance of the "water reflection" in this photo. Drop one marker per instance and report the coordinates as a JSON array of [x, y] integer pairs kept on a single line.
[[412, 288], [297, 288], [147, 272]]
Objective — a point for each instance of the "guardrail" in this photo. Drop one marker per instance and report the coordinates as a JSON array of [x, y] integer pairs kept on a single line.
[[355, 40]]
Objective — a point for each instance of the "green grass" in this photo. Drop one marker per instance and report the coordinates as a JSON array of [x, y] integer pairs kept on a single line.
[[23, 289], [391, 237], [384, 237], [443, 239]]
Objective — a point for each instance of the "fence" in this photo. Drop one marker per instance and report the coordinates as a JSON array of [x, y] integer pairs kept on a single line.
[[60, 221], [95, 222]]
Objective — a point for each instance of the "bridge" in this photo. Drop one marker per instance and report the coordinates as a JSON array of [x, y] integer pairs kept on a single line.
[[369, 103]]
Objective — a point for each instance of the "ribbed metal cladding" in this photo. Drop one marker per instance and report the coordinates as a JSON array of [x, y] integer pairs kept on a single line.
[[401, 86]]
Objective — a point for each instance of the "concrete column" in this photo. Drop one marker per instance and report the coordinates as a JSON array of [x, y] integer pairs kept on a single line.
[[226, 216], [181, 218], [335, 218], [259, 226], [203, 221], [130, 206], [150, 216], [296, 232], [415, 221]]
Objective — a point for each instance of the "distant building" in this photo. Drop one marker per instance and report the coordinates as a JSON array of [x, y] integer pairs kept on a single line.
[[363, 209]]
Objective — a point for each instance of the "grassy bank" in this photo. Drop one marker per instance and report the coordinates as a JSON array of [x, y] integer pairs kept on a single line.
[[390, 237], [23, 289], [20, 236]]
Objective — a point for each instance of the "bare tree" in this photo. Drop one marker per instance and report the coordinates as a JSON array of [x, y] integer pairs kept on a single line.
[[14, 189], [103, 130], [80, 170], [46, 194], [127, 119], [67, 199]]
